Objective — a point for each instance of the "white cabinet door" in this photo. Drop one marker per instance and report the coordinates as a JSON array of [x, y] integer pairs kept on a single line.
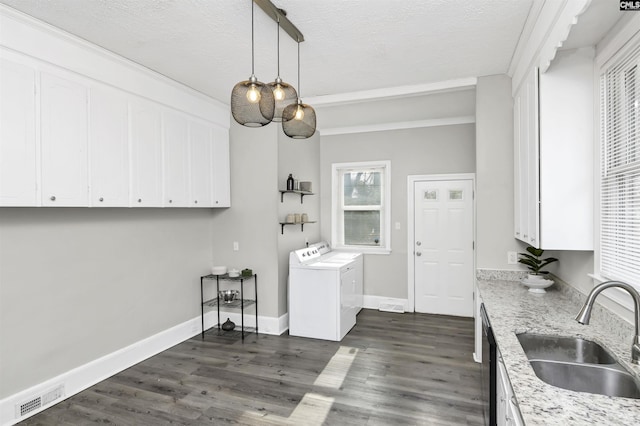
[[200, 138], [146, 154], [176, 160], [63, 132], [108, 148], [221, 169], [18, 155]]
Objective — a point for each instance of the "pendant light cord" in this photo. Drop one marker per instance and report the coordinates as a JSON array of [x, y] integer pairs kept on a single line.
[[252, 43], [299, 91], [278, 46]]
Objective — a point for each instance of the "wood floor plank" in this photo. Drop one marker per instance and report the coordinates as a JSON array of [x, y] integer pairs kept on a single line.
[[391, 369]]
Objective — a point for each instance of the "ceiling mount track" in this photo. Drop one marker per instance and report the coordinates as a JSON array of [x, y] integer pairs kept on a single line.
[[279, 15]]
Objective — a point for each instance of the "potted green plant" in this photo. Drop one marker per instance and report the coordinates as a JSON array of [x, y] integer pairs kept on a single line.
[[535, 263]]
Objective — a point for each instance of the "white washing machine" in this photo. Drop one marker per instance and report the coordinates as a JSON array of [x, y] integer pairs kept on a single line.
[[325, 291]]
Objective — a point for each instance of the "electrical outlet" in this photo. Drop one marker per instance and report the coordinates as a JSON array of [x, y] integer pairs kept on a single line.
[[512, 257], [236, 246]]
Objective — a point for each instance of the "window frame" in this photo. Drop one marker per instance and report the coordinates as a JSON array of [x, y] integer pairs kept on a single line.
[[611, 56], [337, 208]]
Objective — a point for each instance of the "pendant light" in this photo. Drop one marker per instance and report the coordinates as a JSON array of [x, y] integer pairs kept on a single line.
[[252, 102], [283, 93], [299, 120]]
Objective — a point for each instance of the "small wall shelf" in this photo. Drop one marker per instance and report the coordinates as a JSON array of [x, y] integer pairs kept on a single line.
[[293, 191], [283, 224]]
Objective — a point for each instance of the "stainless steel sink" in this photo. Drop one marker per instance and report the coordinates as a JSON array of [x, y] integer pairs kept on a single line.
[[592, 378], [570, 349], [579, 365]]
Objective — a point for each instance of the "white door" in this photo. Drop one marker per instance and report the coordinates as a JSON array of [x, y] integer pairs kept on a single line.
[[443, 247]]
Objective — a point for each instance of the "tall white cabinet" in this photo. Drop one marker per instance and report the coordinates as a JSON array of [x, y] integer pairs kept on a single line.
[[553, 148], [82, 127]]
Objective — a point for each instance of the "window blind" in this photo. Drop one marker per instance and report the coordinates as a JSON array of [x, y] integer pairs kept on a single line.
[[620, 169]]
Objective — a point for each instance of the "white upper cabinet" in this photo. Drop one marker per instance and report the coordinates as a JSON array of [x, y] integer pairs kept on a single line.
[[80, 127], [553, 134], [108, 148], [176, 160], [63, 136], [221, 170], [200, 138], [18, 159], [146, 154]]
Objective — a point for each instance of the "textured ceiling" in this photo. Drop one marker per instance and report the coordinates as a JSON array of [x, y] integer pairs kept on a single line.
[[350, 45]]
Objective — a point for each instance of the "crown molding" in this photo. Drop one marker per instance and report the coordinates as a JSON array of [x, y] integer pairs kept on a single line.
[[392, 92], [399, 125]]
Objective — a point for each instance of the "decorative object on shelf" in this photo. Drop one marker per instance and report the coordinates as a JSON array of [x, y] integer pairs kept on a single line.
[[228, 325], [228, 296], [297, 218], [534, 262], [290, 219], [305, 186], [290, 182], [299, 120], [304, 217], [233, 273], [283, 93], [252, 102], [247, 272], [218, 270]]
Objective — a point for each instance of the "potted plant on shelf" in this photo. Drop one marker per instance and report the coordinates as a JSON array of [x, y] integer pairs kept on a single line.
[[535, 263]]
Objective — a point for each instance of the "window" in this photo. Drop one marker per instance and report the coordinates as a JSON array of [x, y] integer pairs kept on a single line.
[[360, 205], [619, 250]]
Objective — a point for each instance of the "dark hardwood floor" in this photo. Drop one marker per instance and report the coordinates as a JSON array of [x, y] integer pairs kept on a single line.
[[391, 369]]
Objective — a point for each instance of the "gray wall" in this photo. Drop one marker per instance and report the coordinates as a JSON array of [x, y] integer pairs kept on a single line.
[[300, 157], [433, 150], [494, 174], [261, 160], [77, 284]]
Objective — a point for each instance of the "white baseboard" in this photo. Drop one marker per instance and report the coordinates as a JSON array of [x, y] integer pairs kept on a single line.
[[373, 302], [87, 375]]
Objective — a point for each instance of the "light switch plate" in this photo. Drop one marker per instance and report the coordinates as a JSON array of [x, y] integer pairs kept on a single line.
[[512, 257]]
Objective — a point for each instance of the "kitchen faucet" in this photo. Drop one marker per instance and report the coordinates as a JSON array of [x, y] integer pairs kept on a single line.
[[585, 313]]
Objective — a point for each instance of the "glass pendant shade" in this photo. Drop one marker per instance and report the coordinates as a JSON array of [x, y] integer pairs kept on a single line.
[[299, 120], [252, 103]]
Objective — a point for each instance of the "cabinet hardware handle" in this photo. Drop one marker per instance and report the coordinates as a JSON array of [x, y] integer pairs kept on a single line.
[[196, 201], [418, 243], [525, 235], [533, 240], [418, 253], [517, 233], [170, 201], [216, 202], [53, 198], [101, 199], [139, 200]]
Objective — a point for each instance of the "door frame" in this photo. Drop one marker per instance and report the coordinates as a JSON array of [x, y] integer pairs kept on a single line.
[[411, 180]]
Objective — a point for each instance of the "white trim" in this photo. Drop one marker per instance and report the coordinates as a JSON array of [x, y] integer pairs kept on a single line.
[[373, 302], [411, 180], [386, 207], [87, 375], [392, 92], [399, 125], [614, 41]]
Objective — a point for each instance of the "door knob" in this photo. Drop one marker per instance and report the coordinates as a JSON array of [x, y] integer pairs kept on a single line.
[[418, 253], [418, 243]]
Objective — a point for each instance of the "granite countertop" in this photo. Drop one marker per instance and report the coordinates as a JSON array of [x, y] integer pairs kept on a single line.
[[512, 309]]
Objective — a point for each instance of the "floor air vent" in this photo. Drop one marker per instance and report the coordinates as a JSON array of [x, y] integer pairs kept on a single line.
[[39, 401], [391, 307]]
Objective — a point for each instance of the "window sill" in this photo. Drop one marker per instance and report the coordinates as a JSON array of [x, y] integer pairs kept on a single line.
[[615, 294], [365, 250]]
